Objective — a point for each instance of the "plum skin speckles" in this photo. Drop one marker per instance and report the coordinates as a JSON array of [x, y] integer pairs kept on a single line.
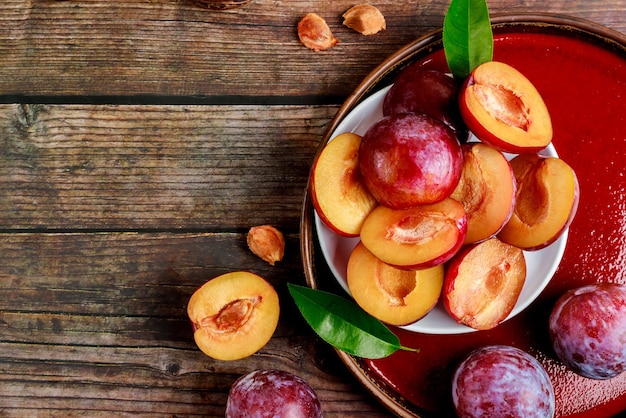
[[588, 330], [410, 159], [272, 394], [502, 381]]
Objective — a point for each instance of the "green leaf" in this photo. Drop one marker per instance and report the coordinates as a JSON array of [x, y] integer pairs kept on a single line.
[[467, 36], [344, 325]]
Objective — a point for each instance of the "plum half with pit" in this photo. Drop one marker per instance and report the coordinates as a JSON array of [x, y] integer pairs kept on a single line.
[[233, 315], [272, 393], [410, 159], [418, 237], [502, 381], [588, 330]]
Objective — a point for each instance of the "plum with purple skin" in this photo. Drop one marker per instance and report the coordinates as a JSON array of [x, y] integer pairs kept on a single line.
[[588, 330], [272, 394], [421, 90], [502, 381], [410, 159]]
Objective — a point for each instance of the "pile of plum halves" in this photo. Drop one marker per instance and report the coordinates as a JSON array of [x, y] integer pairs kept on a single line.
[[445, 191]]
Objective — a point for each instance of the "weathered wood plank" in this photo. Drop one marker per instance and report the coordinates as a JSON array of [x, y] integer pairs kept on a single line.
[[125, 275], [101, 167], [172, 48], [101, 381], [95, 324], [112, 214]]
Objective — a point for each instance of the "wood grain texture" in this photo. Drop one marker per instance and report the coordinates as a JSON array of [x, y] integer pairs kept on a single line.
[[139, 141], [96, 325], [174, 48], [155, 167]]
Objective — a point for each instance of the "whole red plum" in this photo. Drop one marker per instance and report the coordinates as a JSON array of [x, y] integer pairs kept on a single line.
[[410, 159], [272, 394], [421, 90], [588, 330], [502, 381]]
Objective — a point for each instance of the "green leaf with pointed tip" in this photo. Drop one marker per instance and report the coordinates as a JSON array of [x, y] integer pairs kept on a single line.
[[344, 325], [467, 36]]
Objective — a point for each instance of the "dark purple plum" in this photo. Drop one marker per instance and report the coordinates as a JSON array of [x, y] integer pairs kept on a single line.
[[410, 159], [588, 330], [272, 393], [502, 381], [421, 90]]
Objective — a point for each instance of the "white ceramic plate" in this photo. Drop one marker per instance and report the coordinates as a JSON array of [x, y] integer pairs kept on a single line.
[[541, 265]]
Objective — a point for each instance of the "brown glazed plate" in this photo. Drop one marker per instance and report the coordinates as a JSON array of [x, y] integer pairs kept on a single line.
[[579, 68]]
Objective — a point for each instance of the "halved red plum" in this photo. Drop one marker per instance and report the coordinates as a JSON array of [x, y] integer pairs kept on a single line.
[[486, 190], [392, 295], [504, 109], [233, 315], [337, 191], [483, 283], [546, 201], [417, 237]]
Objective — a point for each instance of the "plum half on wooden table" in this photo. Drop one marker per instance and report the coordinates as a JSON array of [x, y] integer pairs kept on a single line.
[[233, 315]]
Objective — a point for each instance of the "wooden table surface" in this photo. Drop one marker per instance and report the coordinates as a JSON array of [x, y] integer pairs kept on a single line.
[[139, 141]]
